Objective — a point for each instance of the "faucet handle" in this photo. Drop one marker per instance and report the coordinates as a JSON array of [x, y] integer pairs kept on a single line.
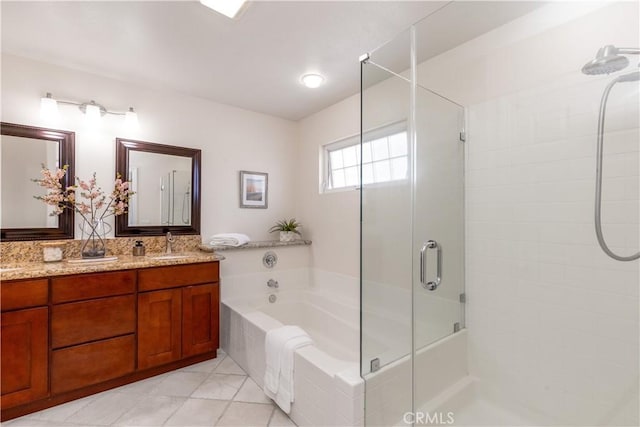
[[273, 283]]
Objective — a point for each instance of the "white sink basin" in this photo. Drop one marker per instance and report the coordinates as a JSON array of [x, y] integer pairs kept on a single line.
[[4, 270], [169, 256]]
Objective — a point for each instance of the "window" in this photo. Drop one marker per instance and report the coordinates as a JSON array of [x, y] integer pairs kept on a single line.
[[385, 158]]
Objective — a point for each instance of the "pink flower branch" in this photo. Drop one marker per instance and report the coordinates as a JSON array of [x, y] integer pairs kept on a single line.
[[97, 203]]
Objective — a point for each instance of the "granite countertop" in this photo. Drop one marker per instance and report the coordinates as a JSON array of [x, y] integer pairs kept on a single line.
[[14, 271], [255, 245]]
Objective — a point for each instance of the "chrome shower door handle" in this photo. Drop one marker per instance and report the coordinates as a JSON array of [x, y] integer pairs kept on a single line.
[[431, 285], [422, 263]]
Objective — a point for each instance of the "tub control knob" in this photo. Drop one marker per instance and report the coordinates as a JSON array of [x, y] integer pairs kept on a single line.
[[273, 283], [270, 259]]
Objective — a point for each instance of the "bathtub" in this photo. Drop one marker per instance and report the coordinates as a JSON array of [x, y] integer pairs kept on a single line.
[[327, 384]]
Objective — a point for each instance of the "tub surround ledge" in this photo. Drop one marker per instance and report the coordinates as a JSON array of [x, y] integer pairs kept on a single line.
[[254, 245]]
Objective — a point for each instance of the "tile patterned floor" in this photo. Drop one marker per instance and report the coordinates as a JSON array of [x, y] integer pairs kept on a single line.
[[212, 393]]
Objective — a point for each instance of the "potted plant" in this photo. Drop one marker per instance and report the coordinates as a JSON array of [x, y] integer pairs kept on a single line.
[[288, 229]]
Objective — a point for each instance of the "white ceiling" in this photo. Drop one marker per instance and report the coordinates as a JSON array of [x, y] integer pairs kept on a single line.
[[253, 63]]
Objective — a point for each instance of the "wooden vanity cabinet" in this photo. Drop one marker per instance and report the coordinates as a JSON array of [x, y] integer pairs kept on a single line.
[[200, 314], [159, 327], [73, 336], [24, 339], [93, 324], [178, 311]]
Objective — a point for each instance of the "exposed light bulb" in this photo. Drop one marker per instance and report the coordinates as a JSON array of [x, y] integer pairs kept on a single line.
[[92, 110], [131, 119], [48, 107], [229, 8], [312, 81]]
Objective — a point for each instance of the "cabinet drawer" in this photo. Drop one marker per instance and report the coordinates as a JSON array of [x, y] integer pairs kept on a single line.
[[87, 286], [87, 364], [177, 275], [24, 294], [80, 322]]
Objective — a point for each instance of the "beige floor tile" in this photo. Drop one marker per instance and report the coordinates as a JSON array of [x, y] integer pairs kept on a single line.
[[206, 366], [218, 386], [143, 387], [180, 384], [251, 392], [246, 414], [228, 366], [280, 419], [105, 409], [30, 422], [198, 412], [61, 412], [151, 411]]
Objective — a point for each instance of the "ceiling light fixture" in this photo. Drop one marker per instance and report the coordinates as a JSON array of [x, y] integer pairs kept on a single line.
[[312, 80], [93, 110], [229, 8]]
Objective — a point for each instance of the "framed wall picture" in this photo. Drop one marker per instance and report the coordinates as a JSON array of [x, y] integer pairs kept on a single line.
[[254, 188]]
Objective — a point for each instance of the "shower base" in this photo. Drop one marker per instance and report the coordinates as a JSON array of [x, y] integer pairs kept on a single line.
[[467, 404]]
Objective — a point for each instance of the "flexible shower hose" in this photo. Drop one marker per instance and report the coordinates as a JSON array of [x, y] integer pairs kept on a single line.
[[598, 204]]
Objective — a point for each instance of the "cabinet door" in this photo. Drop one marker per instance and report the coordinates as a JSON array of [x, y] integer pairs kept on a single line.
[[200, 319], [159, 324], [24, 356]]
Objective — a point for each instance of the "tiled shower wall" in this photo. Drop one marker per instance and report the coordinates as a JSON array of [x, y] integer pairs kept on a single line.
[[553, 321]]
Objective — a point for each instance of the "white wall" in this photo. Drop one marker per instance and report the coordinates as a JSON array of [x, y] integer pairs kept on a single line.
[[554, 322], [231, 139], [330, 220]]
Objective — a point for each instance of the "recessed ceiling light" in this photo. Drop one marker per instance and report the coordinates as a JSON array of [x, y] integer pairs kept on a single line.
[[229, 8], [312, 80]]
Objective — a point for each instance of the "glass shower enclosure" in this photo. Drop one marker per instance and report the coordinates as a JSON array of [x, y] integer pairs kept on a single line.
[[412, 229], [539, 324]]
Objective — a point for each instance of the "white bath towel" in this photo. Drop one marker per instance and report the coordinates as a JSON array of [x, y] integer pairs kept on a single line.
[[229, 239], [280, 345]]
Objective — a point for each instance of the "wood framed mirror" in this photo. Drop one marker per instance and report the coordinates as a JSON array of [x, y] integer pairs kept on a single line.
[[166, 182], [24, 149]]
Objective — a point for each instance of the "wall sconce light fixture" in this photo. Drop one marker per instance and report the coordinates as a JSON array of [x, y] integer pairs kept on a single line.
[[92, 110]]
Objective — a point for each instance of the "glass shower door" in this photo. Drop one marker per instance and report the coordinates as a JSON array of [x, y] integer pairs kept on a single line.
[[438, 219], [386, 218], [412, 248]]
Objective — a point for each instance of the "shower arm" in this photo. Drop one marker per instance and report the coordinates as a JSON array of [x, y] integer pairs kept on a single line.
[[599, 154], [628, 50]]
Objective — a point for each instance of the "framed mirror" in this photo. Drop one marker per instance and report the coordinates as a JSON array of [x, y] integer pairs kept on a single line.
[[23, 151], [166, 182]]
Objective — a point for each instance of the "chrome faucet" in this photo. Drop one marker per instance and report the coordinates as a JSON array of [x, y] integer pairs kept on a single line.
[[170, 241], [273, 283]]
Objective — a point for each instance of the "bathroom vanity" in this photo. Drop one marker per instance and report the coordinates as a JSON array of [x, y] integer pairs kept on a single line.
[[76, 331]]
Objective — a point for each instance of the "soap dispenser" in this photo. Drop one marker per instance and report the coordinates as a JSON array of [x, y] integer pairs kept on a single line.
[[138, 248]]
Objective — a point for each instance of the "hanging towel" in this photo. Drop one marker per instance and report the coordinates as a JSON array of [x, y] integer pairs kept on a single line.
[[229, 239], [280, 345]]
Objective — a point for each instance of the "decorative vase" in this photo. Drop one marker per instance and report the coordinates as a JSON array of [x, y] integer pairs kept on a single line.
[[287, 236], [93, 238]]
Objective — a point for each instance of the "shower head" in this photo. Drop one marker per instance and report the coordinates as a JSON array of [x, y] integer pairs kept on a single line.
[[608, 60]]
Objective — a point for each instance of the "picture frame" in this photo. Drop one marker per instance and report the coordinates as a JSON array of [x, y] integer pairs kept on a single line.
[[254, 190]]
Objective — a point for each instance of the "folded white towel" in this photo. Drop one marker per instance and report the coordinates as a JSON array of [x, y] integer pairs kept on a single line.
[[229, 239], [280, 345]]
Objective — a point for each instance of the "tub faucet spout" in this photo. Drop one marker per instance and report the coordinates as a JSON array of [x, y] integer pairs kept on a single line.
[[273, 283]]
